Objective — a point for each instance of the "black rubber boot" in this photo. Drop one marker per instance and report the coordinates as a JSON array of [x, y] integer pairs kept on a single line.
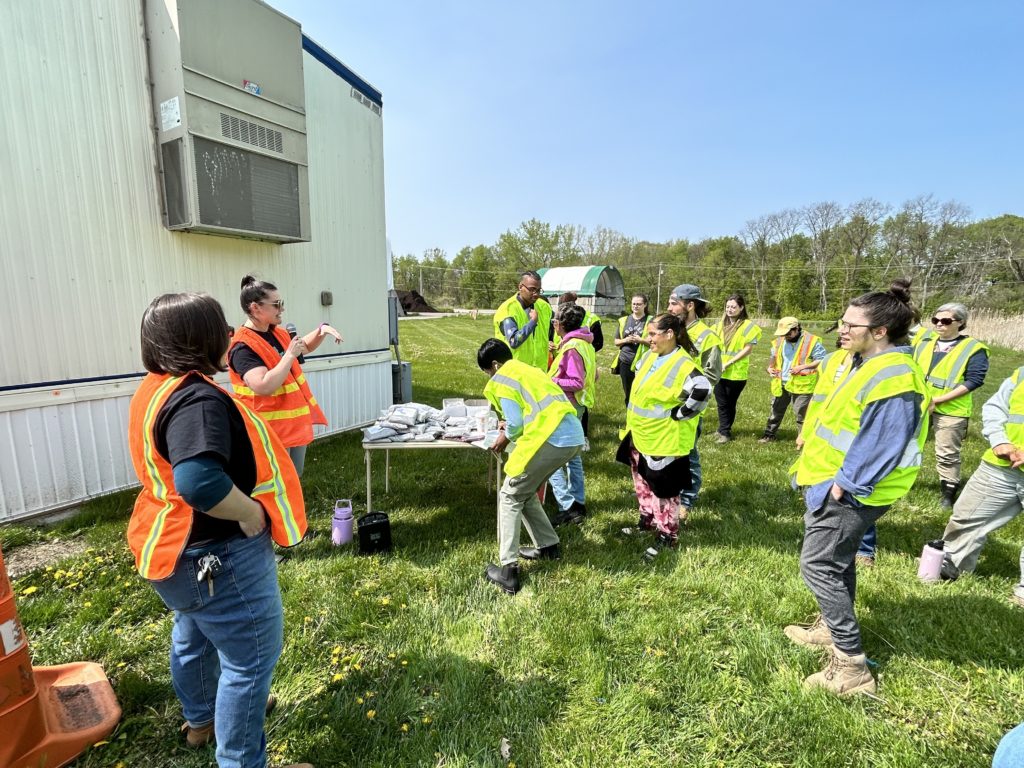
[[949, 491], [506, 576], [551, 552]]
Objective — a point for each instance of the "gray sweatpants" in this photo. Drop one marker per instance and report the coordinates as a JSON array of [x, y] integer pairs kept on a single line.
[[780, 405], [518, 502], [990, 499], [832, 534]]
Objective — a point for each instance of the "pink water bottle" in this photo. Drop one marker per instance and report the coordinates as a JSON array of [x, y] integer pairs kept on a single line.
[[341, 523], [930, 568]]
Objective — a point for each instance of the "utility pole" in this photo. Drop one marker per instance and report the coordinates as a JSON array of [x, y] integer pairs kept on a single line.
[[421, 281], [657, 303]]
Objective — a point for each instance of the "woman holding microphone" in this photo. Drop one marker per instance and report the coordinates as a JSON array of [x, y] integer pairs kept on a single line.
[[265, 368]]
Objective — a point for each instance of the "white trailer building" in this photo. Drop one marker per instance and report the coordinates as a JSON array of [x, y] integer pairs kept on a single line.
[[154, 146]]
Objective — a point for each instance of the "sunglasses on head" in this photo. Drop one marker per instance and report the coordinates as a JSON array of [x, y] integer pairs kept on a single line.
[[943, 321]]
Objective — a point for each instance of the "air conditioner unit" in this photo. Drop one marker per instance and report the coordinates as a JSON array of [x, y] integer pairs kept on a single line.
[[229, 104]]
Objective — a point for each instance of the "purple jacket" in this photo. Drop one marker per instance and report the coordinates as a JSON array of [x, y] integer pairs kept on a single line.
[[571, 373]]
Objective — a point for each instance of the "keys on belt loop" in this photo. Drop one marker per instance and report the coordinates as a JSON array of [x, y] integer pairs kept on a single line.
[[209, 566]]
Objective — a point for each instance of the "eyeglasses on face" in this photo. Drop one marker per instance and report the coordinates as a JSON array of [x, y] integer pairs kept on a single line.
[[943, 320], [842, 325], [534, 289], [279, 304]]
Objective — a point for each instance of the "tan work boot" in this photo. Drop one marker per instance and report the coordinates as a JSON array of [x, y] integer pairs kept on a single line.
[[845, 675], [814, 635], [197, 737]]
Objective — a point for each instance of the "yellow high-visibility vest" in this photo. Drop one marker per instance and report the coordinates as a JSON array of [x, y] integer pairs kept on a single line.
[[543, 404], [1015, 421], [654, 395], [838, 422], [533, 351], [747, 333], [588, 395], [948, 373]]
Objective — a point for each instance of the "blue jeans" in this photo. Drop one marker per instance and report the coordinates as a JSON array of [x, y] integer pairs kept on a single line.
[[224, 647], [568, 489], [869, 543], [689, 498]]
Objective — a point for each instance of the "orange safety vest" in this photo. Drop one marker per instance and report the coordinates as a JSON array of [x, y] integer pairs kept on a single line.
[[162, 520], [291, 409]]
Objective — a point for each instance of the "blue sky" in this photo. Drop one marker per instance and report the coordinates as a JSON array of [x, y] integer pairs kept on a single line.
[[679, 120]]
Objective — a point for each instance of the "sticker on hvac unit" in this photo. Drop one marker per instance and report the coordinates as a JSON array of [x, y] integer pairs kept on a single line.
[[251, 87], [170, 114]]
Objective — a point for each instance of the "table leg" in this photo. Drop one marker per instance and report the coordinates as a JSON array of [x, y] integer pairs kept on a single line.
[[369, 504], [387, 471]]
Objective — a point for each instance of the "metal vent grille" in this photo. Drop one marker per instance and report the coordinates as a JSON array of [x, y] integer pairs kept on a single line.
[[368, 103], [246, 191], [232, 127]]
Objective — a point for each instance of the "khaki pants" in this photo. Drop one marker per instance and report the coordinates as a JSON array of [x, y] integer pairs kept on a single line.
[[991, 499], [949, 432], [518, 502]]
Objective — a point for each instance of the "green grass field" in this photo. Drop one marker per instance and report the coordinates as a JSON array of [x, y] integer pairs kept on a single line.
[[412, 659]]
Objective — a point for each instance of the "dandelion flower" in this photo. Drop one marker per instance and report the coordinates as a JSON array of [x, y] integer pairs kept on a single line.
[[359, 699], [405, 727], [338, 677], [371, 714], [405, 663], [427, 720], [28, 591]]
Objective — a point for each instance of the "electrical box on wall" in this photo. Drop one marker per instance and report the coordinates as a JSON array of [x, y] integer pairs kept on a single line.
[[229, 104]]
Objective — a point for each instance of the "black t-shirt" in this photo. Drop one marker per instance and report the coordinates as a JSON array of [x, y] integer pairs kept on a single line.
[[201, 420], [633, 327], [242, 359]]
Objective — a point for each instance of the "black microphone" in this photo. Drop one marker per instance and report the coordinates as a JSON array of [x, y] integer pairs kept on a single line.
[[292, 333]]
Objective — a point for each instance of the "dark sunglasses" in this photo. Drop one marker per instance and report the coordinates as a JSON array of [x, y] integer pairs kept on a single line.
[[943, 321]]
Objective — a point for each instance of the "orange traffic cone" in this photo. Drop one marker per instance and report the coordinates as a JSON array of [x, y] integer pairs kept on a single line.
[[48, 715]]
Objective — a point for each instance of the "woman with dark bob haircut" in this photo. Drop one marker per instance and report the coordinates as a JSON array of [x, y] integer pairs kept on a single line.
[[861, 454], [217, 485]]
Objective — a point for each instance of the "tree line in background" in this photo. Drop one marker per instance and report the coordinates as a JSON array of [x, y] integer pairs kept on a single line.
[[802, 261]]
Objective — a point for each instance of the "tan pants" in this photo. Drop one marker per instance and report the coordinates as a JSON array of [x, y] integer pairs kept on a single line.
[[949, 432]]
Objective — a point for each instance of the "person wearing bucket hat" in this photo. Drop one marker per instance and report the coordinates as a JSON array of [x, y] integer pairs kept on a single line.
[[688, 303], [793, 367]]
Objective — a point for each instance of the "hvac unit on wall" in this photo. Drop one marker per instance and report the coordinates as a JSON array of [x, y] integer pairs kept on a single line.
[[229, 103]]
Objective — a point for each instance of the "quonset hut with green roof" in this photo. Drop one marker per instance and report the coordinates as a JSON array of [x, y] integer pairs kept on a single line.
[[599, 289]]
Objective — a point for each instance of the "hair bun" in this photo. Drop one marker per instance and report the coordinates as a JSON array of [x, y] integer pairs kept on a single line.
[[900, 292], [248, 280]]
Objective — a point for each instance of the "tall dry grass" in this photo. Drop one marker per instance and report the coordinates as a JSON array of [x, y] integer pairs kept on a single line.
[[997, 328]]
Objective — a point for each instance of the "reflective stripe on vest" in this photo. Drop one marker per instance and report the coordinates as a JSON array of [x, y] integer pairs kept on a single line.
[[1014, 421], [652, 398], [291, 408], [588, 395], [798, 383], [886, 375], [747, 333], [832, 367], [544, 406], [534, 350], [161, 520], [948, 373]]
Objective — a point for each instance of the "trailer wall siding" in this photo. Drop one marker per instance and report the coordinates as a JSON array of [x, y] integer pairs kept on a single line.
[[83, 248]]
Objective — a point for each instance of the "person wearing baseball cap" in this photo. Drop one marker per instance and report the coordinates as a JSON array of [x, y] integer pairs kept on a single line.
[[688, 303], [793, 367]]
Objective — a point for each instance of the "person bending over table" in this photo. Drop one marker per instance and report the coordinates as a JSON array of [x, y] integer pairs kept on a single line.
[[542, 422]]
